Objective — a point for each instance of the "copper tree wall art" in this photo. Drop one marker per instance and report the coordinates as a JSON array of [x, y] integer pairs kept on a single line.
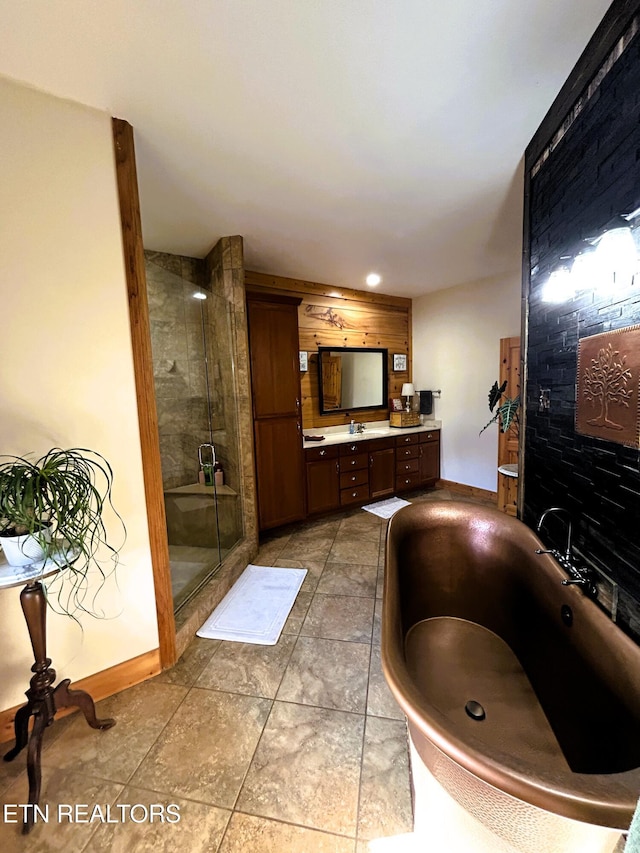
[[607, 394]]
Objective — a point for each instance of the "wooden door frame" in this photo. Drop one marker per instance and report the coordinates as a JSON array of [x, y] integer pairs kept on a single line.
[[127, 180]]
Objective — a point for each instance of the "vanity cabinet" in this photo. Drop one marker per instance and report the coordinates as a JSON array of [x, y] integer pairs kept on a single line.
[[382, 465], [323, 479], [354, 473], [429, 457], [417, 460], [340, 475], [407, 462]]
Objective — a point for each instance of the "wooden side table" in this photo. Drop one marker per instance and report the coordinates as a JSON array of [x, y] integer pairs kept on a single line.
[[43, 700]]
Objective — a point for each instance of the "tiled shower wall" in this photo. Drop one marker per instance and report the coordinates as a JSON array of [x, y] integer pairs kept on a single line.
[[591, 175], [178, 363], [180, 376]]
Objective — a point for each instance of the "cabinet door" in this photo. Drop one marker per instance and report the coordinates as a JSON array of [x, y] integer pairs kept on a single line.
[[279, 472], [429, 463], [275, 364], [277, 427], [323, 485], [382, 472]]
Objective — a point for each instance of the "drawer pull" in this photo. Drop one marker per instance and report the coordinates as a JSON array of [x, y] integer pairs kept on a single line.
[[408, 438], [354, 478], [354, 494], [406, 467], [407, 452], [407, 482], [353, 461], [354, 447], [322, 452]]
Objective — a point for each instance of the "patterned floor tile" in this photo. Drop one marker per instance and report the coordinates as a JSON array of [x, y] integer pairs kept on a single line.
[[385, 794], [250, 834], [339, 617], [328, 674], [248, 668], [314, 755], [141, 713], [206, 749]]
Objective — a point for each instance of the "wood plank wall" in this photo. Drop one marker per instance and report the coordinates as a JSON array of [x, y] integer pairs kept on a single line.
[[508, 442], [341, 317]]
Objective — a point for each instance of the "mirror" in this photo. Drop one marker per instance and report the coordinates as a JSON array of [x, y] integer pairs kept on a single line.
[[352, 378]]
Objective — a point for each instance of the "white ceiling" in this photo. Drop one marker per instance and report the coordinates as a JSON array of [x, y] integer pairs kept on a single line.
[[336, 136]]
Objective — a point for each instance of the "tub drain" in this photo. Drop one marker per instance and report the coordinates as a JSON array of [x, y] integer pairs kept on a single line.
[[475, 710]]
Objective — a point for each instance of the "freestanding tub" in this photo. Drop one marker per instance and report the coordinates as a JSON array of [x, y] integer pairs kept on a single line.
[[522, 696]]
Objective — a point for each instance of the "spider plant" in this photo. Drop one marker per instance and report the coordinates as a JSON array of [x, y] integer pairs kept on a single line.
[[59, 500], [506, 414]]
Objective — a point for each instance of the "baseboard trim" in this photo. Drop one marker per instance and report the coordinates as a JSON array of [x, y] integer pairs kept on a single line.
[[469, 491], [99, 686]]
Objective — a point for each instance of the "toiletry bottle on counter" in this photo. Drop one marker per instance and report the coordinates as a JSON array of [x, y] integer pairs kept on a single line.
[[352, 428], [218, 474]]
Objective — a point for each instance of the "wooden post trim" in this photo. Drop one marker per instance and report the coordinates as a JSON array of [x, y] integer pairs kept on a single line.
[[145, 392]]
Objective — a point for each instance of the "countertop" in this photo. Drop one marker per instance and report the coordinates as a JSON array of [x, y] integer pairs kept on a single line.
[[373, 429]]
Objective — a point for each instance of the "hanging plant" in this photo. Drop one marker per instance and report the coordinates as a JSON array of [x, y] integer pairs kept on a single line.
[[54, 507], [506, 414]]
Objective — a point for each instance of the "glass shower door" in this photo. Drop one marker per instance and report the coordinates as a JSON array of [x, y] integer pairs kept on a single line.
[[180, 324]]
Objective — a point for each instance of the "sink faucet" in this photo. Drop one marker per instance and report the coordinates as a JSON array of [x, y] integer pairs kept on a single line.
[[558, 509], [360, 428]]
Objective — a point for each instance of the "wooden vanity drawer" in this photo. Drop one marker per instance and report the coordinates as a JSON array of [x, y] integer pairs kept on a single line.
[[404, 440], [315, 454], [407, 481], [411, 452], [354, 478], [351, 448], [379, 444], [353, 462], [355, 494], [432, 435], [407, 466]]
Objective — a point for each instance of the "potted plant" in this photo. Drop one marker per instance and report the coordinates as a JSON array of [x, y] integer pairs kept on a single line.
[[506, 414], [51, 511]]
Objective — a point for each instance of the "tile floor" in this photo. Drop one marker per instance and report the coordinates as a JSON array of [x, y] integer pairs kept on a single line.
[[292, 748]]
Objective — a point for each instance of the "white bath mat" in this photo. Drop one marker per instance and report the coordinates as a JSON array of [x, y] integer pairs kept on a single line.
[[256, 607], [386, 508]]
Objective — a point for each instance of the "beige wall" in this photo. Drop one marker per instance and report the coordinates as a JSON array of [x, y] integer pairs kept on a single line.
[[456, 347], [66, 372]]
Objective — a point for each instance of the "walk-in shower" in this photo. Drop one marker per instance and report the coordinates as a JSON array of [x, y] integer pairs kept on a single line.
[[197, 424]]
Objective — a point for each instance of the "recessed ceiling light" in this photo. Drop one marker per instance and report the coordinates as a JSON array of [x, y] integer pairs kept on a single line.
[[373, 279], [199, 295]]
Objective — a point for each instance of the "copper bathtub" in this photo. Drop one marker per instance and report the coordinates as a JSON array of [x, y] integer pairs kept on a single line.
[[508, 678]]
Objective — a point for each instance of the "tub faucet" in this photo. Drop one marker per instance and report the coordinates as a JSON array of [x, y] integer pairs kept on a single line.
[[558, 509], [582, 577], [579, 575]]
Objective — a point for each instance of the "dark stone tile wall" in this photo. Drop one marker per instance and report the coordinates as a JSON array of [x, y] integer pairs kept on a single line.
[[592, 175]]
